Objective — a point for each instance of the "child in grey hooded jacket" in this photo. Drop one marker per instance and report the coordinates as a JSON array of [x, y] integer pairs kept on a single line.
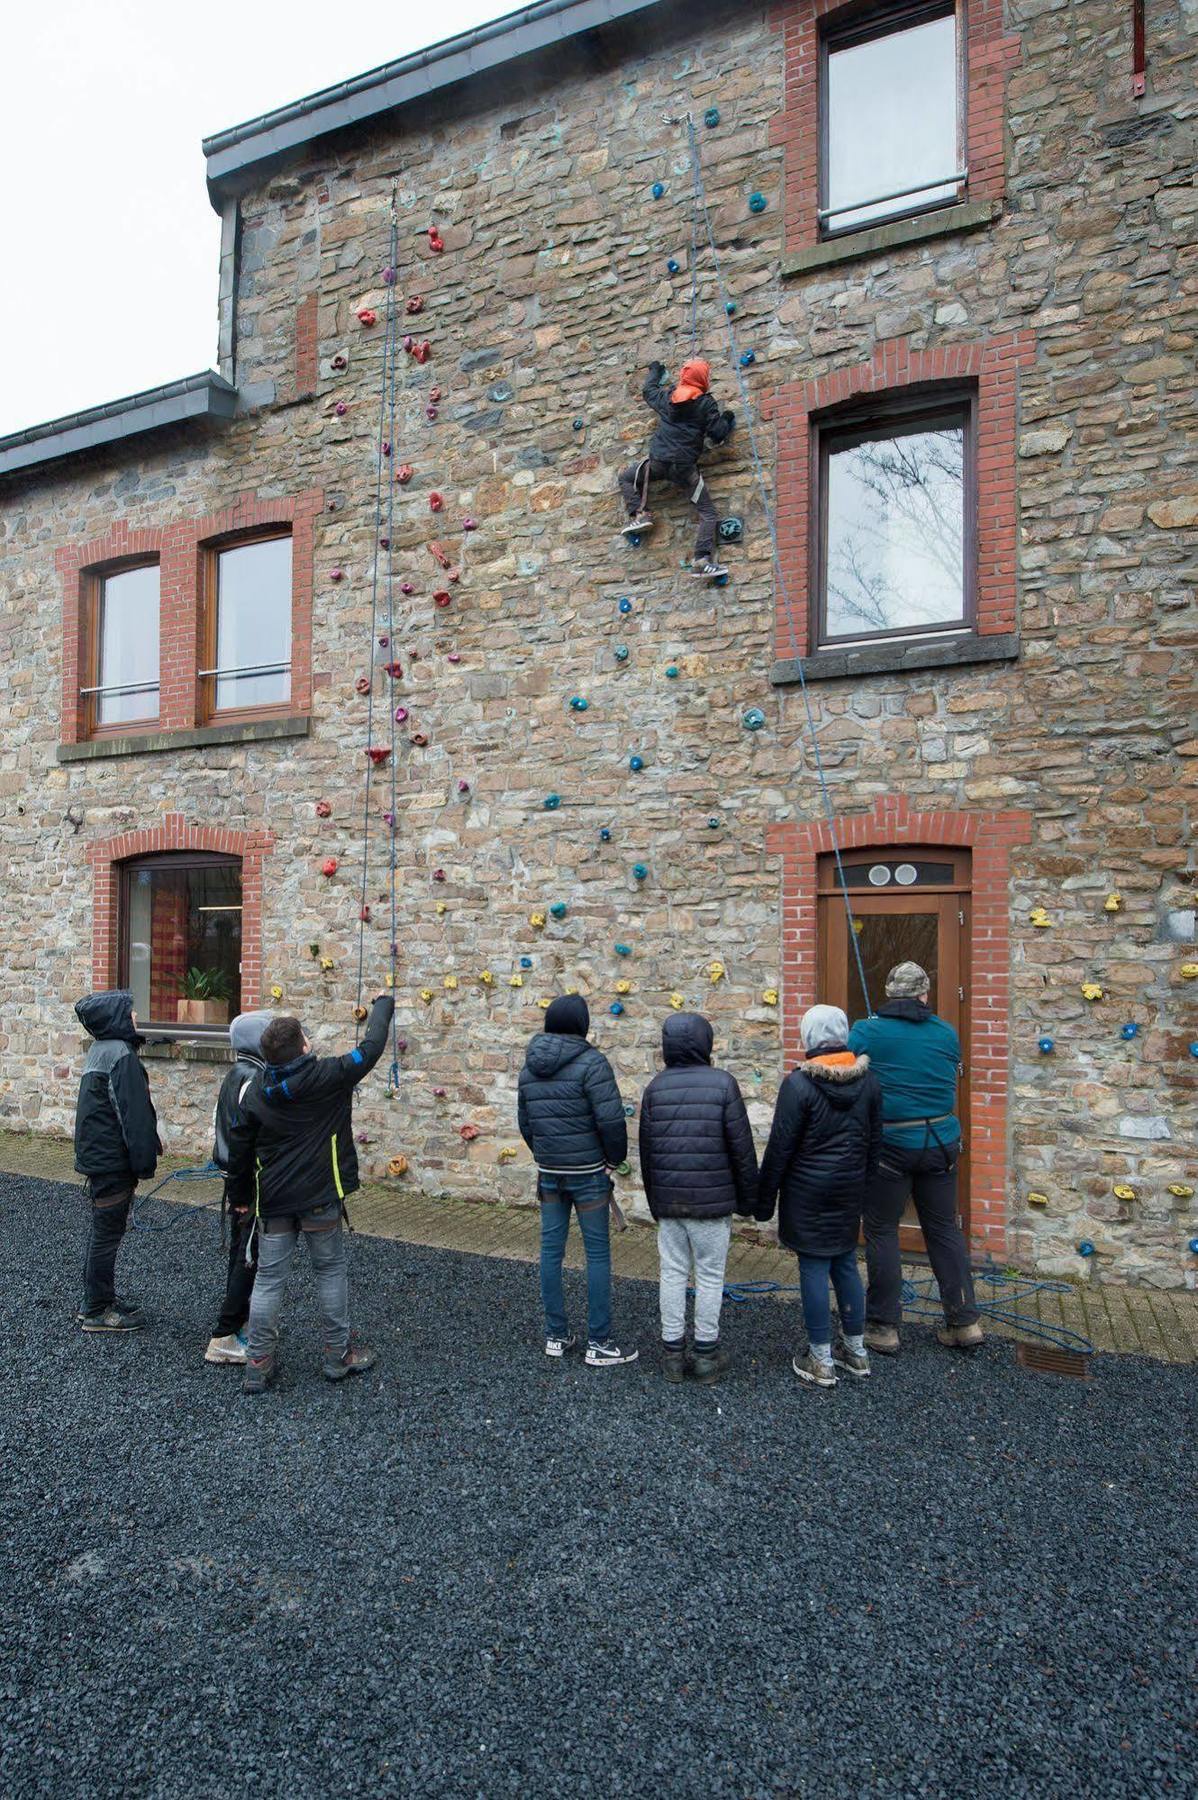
[[228, 1342]]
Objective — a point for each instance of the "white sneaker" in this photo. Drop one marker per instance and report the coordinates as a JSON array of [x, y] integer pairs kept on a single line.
[[231, 1349], [634, 527], [606, 1356], [709, 570], [555, 1346], [808, 1368]]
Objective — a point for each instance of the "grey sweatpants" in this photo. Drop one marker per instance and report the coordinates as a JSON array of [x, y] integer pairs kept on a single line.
[[706, 1242]]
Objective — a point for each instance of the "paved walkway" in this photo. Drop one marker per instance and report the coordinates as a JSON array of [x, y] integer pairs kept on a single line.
[[1129, 1320]]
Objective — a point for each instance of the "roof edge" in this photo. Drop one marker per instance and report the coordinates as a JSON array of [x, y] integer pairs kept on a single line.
[[206, 395]]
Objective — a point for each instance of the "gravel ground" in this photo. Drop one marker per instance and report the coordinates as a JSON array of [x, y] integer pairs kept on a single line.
[[477, 1573]]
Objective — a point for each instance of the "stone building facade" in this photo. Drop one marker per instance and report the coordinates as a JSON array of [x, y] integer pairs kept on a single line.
[[1040, 757]]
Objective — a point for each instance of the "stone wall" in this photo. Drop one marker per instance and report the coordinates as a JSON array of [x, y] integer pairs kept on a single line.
[[551, 296]]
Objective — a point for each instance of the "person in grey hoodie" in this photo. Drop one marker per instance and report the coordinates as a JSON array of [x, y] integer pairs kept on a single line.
[[228, 1342], [572, 1119]]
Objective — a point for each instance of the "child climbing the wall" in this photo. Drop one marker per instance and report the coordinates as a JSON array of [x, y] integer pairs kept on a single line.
[[292, 1160], [228, 1342], [688, 416], [699, 1166], [116, 1146]]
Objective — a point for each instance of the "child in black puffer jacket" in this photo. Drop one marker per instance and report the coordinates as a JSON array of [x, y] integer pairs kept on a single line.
[[228, 1342]]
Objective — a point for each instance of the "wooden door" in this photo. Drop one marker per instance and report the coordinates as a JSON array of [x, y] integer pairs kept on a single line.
[[908, 906]]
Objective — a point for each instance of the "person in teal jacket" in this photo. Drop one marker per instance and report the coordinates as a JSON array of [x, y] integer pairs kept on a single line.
[[917, 1058]]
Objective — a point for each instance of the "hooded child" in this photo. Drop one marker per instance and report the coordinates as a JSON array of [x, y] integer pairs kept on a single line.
[[228, 1342], [688, 418], [698, 1166], [572, 1119]]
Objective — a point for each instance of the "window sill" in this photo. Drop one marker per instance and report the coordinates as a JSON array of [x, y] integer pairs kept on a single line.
[[248, 731], [972, 215], [899, 658], [197, 1050]]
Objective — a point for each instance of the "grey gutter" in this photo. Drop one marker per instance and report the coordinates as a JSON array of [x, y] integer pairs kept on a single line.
[[207, 395], [234, 155]]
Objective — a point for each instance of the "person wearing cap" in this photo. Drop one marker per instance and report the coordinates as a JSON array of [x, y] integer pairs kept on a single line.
[[822, 1154], [688, 416], [917, 1058], [572, 1119], [227, 1344]]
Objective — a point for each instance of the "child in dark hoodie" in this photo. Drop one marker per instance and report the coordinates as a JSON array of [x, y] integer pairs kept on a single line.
[[292, 1160], [116, 1146], [699, 1166], [228, 1342], [572, 1119], [688, 416], [823, 1151]]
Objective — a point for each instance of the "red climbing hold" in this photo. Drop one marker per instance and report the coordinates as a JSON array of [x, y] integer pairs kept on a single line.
[[434, 395], [443, 597], [367, 315], [385, 543], [436, 242], [383, 642], [324, 809], [363, 684], [422, 351], [364, 915], [435, 504], [338, 362], [386, 448], [435, 550], [403, 474], [394, 669], [432, 412], [469, 1133], [378, 753], [438, 874], [415, 303], [329, 866]]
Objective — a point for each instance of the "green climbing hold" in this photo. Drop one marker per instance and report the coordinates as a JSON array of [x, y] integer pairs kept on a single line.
[[671, 671], [621, 653], [558, 909], [551, 802], [757, 203], [754, 719], [711, 117]]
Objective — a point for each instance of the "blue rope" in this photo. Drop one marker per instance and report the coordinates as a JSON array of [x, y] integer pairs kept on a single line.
[[759, 470], [393, 328], [210, 1172]]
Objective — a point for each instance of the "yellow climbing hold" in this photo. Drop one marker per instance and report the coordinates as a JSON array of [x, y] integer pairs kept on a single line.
[[717, 971], [1091, 990], [537, 921], [623, 987], [486, 977], [389, 980], [450, 983], [544, 1002], [398, 1165], [1189, 971], [507, 1153], [326, 963], [677, 1001], [1123, 1191], [770, 997], [1039, 918], [516, 981], [276, 993], [426, 995], [1180, 1190], [1112, 903], [359, 1013], [1035, 1199], [442, 908]]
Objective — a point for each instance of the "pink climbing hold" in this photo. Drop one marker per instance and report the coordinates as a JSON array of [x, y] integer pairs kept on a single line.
[[409, 344], [337, 575], [338, 362], [324, 809], [405, 587], [438, 874], [403, 474], [454, 574], [432, 412], [363, 684], [401, 713], [386, 448], [435, 504], [463, 786], [388, 818], [469, 1133], [341, 409], [440, 1093], [383, 642], [329, 866], [454, 657], [435, 550], [469, 524], [385, 543], [367, 316]]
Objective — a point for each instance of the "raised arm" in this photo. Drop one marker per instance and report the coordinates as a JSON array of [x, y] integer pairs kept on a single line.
[[356, 1064]]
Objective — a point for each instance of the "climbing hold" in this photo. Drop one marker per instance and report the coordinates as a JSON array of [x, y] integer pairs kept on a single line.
[[438, 552], [435, 502], [276, 992], [748, 358], [1039, 918], [673, 266], [605, 834], [454, 657], [337, 575], [770, 997], [507, 1153], [422, 351], [623, 987], [326, 965], [714, 822], [1035, 1199], [378, 753], [397, 1165], [442, 597], [439, 1093], [671, 671], [431, 413], [711, 117], [1122, 1190], [658, 189], [367, 316], [580, 424], [630, 1109], [537, 920], [1112, 903], [385, 543], [313, 949], [717, 971], [426, 995], [757, 203], [624, 1168], [633, 538], [403, 474], [463, 785], [364, 914], [1085, 1248], [442, 909], [551, 802], [577, 703], [1047, 1046], [1193, 1246], [414, 303], [469, 524], [359, 1013], [754, 719], [616, 1008], [625, 604], [1091, 990], [1194, 1049], [434, 395], [1181, 1190], [401, 1044], [394, 670], [418, 740], [387, 276], [468, 1133], [401, 714], [486, 977], [621, 653], [719, 581], [677, 1001], [526, 962], [1129, 1031], [362, 684], [515, 981], [636, 764], [436, 242], [731, 530], [623, 949], [1189, 971], [388, 818], [438, 874], [341, 409], [407, 587], [324, 809], [450, 984], [730, 307], [559, 909], [329, 866], [639, 871]]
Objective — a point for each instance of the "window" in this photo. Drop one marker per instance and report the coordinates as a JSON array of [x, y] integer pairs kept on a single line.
[[121, 654], [891, 139], [179, 944], [246, 644], [896, 532]]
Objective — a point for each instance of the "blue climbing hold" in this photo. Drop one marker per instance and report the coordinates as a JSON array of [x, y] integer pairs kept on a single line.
[[551, 802], [720, 581], [731, 530], [577, 703], [658, 189], [558, 909], [1129, 1030], [630, 1109], [636, 764], [671, 671], [639, 871], [580, 424], [711, 117], [633, 538], [1047, 1046], [754, 719], [730, 307], [623, 949], [714, 822], [1194, 1246], [748, 358], [1085, 1248], [526, 962], [604, 834], [673, 266], [625, 604], [757, 203], [616, 1008], [1194, 1049], [621, 653]]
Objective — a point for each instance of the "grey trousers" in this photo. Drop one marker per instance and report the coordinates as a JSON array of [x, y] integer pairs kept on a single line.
[[276, 1252], [705, 1241]]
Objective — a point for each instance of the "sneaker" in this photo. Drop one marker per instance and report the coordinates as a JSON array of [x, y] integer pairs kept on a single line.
[[961, 1337], [708, 570], [882, 1338], [850, 1361], [808, 1368], [560, 1346], [230, 1349], [606, 1356], [675, 1364], [709, 1365], [112, 1318], [640, 522], [354, 1361], [260, 1372]]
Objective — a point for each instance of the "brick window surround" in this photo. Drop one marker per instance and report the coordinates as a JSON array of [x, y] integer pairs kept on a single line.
[[178, 548], [988, 55], [993, 365], [175, 834], [990, 836]]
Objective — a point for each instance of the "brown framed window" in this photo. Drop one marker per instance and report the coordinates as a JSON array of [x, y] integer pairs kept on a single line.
[[179, 940], [245, 627], [896, 526], [120, 651], [891, 114]]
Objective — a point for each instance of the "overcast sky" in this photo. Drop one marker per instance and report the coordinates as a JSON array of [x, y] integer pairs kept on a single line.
[[110, 265]]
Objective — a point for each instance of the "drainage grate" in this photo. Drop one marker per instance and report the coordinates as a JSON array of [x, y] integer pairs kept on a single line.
[[1049, 1359]]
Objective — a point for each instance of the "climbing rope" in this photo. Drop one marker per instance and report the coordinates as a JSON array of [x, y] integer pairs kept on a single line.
[[703, 213], [137, 1218]]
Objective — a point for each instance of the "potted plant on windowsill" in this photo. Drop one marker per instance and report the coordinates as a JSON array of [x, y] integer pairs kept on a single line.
[[206, 994]]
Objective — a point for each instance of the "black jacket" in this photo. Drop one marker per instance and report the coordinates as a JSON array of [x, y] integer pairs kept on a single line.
[[116, 1128], [569, 1107], [698, 1160], [823, 1149], [228, 1104], [291, 1147], [685, 428]]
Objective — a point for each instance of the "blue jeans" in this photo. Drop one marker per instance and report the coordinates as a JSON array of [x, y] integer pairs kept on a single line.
[[591, 1196], [814, 1273]]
